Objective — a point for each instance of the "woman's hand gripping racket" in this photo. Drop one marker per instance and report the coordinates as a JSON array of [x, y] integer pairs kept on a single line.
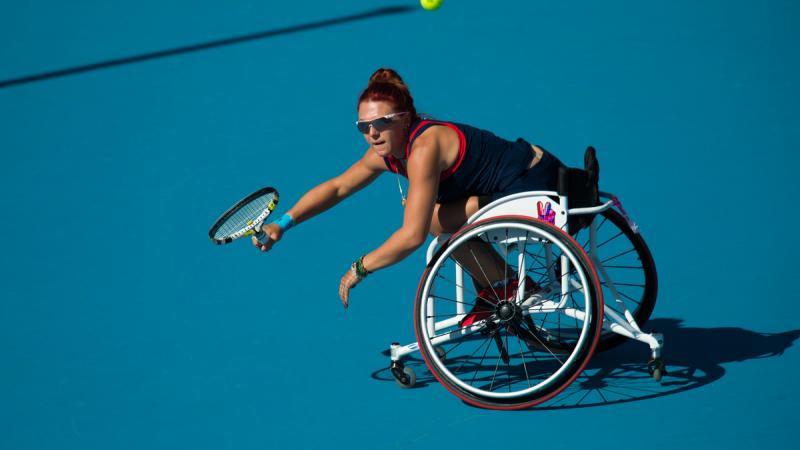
[[245, 218]]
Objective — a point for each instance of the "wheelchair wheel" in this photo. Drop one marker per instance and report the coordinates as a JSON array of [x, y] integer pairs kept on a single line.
[[530, 334], [628, 262]]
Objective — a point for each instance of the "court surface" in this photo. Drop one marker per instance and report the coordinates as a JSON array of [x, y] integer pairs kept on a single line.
[[122, 327]]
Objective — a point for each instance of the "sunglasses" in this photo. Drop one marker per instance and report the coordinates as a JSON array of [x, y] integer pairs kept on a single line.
[[380, 124]]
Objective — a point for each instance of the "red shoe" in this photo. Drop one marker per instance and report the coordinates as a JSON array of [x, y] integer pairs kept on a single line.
[[482, 308], [489, 297]]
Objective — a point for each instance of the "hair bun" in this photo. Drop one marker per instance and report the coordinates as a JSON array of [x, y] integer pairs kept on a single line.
[[385, 85], [386, 75]]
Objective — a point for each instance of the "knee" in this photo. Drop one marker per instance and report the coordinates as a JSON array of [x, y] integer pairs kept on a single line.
[[436, 226], [450, 217], [435, 231]]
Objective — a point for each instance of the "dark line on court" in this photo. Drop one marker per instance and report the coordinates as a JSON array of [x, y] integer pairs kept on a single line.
[[206, 45]]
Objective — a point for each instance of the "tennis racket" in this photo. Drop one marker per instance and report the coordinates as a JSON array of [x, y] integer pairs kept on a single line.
[[245, 218]]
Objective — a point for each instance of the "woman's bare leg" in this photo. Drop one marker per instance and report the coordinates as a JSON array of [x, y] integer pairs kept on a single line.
[[477, 257]]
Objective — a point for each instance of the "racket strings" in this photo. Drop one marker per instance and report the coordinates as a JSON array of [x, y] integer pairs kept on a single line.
[[244, 216]]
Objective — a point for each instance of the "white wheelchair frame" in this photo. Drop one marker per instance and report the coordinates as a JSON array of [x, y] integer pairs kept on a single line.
[[521, 204]]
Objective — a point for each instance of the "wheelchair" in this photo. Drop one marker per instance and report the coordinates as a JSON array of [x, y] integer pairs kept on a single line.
[[525, 338]]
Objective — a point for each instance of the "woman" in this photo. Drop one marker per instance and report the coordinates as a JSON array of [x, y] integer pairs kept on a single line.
[[452, 170]]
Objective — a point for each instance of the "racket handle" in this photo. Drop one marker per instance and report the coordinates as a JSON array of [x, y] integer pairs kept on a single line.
[[262, 237]]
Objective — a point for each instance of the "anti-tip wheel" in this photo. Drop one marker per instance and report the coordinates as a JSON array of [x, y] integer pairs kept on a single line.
[[403, 376], [657, 369]]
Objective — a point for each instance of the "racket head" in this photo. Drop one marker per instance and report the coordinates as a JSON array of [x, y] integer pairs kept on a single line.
[[242, 218]]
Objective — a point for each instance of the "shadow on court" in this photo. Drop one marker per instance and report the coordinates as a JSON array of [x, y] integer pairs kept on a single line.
[[694, 358], [207, 45]]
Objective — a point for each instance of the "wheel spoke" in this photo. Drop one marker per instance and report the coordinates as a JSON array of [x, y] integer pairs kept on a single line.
[[508, 363], [480, 363], [477, 295], [533, 333], [471, 355], [439, 297], [617, 255], [597, 229], [505, 267], [610, 239], [572, 299], [623, 284], [546, 267], [497, 365], [488, 283], [638, 302], [605, 218], [451, 348], [442, 315], [459, 331], [524, 363]]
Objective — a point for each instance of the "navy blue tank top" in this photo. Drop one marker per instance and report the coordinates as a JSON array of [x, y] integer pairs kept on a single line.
[[486, 164]]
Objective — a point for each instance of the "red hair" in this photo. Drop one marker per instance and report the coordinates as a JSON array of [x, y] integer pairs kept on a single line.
[[386, 85]]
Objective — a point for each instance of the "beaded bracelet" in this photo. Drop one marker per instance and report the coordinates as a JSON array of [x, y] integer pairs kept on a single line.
[[359, 269]]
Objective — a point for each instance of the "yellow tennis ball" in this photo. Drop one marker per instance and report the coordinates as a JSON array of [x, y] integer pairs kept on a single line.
[[431, 5]]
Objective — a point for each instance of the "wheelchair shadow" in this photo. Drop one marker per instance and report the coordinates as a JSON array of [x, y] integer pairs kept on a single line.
[[694, 358]]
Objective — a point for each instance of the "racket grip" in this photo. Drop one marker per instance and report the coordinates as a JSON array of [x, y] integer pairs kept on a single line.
[[262, 237]]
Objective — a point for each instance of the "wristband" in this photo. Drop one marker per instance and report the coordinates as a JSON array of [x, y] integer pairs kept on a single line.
[[285, 222]]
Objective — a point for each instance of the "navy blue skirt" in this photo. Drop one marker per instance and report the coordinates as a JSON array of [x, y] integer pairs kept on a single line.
[[541, 177]]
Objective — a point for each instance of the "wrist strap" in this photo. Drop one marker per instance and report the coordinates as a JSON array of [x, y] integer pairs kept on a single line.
[[285, 222]]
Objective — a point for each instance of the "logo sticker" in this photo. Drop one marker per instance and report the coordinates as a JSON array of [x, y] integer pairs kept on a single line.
[[546, 212]]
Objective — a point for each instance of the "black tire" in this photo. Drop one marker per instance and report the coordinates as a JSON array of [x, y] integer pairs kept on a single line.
[[547, 371]]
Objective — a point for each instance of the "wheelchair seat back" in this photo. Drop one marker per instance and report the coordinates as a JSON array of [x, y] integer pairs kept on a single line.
[[580, 186]]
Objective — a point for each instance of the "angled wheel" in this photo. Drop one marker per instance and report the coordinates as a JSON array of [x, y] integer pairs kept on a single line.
[[403, 376], [529, 333], [657, 369], [629, 263]]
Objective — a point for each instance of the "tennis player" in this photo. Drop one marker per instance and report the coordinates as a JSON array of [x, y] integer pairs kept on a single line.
[[452, 170]]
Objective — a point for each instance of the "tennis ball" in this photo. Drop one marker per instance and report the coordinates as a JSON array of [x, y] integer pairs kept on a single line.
[[431, 5]]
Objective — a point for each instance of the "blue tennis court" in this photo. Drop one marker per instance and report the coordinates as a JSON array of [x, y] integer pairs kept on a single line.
[[126, 128]]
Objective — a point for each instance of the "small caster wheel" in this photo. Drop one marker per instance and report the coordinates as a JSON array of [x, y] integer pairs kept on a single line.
[[404, 376], [440, 353], [657, 369]]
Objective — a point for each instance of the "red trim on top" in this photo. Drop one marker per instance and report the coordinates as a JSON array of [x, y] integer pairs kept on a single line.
[[462, 146], [413, 134], [395, 165], [462, 150]]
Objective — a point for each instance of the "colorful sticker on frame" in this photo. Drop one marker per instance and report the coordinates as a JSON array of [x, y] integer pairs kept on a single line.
[[546, 212]]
